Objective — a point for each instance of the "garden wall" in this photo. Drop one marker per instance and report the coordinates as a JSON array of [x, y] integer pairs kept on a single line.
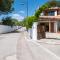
[[5, 29]]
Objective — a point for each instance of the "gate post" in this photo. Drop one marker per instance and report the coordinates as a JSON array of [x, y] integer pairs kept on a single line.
[[34, 31]]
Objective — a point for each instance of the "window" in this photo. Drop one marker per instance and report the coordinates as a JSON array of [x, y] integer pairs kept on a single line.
[[51, 13]]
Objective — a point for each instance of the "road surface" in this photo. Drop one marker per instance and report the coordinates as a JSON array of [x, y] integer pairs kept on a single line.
[[31, 50], [25, 49], [8, 43]]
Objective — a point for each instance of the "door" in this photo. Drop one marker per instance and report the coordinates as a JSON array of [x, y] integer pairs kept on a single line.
[[41, 31]]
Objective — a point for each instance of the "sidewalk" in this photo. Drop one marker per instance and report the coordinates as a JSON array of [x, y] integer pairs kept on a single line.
[[49, 41]]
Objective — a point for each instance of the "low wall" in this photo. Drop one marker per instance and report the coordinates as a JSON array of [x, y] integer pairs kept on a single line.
[[52, 35], [5, 29], [48, 35]]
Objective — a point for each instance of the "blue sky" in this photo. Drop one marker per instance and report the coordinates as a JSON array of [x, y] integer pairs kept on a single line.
[[20, 7]]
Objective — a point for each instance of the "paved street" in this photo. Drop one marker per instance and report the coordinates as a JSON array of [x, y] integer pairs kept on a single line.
[[31, 50], [16, 46], [55, 48]]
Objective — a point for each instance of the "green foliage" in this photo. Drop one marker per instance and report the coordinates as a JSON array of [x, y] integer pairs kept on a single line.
[[19, 23], [50, 3], [28, 21], [54, 3], [9, 21], [41, 9], [6, 6]]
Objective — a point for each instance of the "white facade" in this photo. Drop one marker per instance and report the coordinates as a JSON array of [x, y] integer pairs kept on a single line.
[[34, 31]]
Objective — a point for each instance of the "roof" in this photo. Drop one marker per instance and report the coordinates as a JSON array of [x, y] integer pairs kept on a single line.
[[53, 8]]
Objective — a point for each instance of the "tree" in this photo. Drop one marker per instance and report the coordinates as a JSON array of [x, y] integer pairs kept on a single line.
[[9, 21], [6, 6], [50, 3], [41, 9], [28, 21], [54, 3]]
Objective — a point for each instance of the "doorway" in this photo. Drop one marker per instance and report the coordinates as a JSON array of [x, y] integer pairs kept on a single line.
[[41, 29]]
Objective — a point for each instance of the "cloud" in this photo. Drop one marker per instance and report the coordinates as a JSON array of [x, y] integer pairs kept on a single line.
[[17, 16], [21, 12]]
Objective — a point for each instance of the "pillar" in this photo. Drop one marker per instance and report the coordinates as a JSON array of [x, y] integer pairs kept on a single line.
[[34, 31], [55, 13], [49, 26], [55, 27]]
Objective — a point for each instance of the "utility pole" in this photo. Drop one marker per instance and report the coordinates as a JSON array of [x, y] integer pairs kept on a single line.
[[27, 8], [26, 12], [27, 15]]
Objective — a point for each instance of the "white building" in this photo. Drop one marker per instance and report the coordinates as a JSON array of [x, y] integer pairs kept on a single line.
[[50, 19]]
